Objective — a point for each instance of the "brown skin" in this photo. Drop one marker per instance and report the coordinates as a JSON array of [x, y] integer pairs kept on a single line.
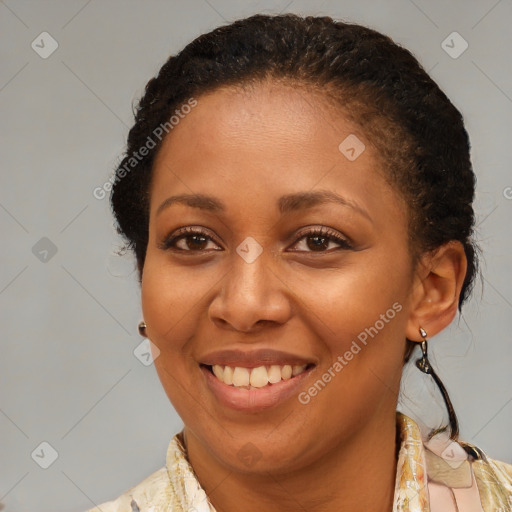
[[248, 149]]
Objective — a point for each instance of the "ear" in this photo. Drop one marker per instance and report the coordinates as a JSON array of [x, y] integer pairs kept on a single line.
[[436, 289]]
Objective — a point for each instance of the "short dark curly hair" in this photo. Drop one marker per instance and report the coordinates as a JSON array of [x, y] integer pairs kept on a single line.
[[379, 85]]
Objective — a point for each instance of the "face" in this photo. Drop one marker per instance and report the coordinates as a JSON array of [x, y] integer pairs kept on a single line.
[[287, 262]]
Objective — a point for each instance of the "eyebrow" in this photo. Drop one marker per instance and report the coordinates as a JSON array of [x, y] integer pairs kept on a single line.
[[286, 204]]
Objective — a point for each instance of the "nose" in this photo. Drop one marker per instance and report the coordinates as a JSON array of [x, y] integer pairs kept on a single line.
[[251, 295]]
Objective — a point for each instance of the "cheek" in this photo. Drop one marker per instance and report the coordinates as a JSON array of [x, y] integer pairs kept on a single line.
[[358, 316], [345, 302], [362, 336], [171, 303], [171, 299]]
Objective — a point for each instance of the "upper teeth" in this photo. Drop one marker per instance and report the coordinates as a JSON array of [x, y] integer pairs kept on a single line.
[[239, 376]]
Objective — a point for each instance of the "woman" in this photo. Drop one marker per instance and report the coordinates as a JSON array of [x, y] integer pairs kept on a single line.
[[298, 194]]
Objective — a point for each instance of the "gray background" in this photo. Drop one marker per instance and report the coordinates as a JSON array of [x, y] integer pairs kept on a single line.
[[68, 373]]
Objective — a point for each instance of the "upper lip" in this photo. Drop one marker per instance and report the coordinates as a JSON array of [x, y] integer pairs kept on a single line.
[[253, 358]]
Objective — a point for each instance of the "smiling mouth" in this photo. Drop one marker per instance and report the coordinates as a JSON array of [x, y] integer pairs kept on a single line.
[[255, 378]]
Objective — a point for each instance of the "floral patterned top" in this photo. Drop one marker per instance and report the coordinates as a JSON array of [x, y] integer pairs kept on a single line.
[[439, 475]]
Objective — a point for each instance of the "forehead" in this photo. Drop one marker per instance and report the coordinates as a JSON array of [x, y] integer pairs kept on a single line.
[[264, 140], [266, 116]]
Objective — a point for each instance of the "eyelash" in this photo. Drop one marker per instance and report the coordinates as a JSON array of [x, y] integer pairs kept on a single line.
[[322, 232]]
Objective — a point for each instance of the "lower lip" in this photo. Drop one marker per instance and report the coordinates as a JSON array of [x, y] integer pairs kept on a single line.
[[257, 399]]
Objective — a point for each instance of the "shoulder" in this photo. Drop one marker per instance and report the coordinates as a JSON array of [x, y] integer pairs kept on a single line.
[[500, 470], [503, 469], [153, 491], [494, 479], [495, 472]]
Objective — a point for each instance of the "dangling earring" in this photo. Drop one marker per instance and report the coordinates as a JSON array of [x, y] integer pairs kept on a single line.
[[142, 328], [424, 365]]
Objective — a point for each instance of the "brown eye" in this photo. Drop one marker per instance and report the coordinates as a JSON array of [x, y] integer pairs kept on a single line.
[[316, 243], [189, 240], [195, 242], [320, 239]]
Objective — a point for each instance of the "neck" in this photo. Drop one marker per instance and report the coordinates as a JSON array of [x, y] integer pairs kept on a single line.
[[358, 475]]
